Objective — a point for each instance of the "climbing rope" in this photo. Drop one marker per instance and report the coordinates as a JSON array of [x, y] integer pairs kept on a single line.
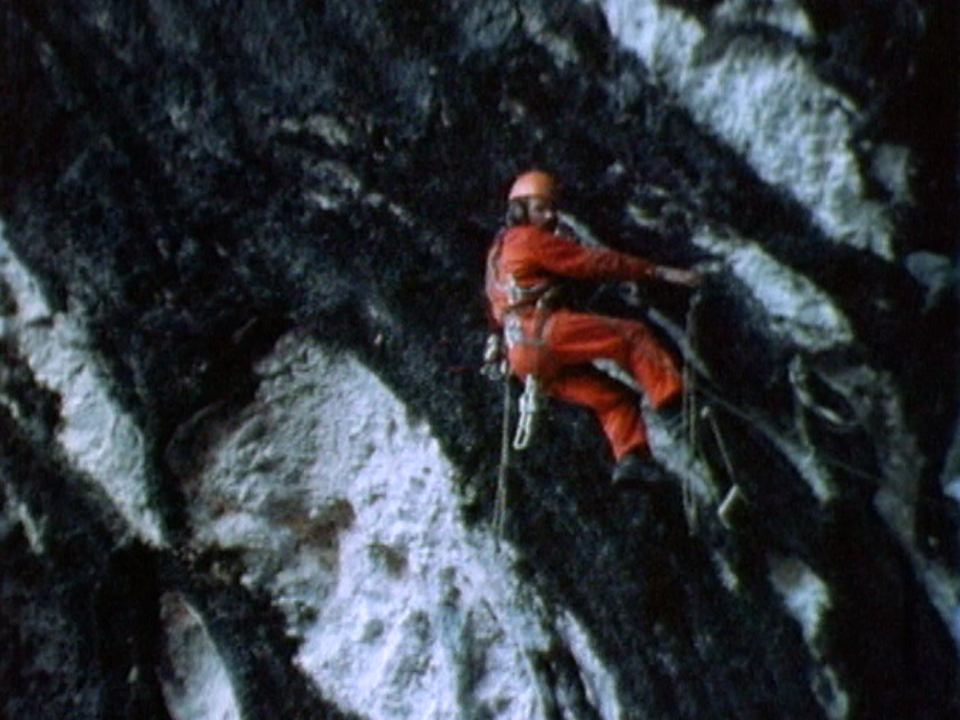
[[693, 415], [690, 413], [690, 509], [500, 503], [707, 414], [529, 403], [734, 495]]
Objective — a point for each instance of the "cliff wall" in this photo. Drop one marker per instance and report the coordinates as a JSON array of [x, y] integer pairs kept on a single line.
[[248, 464]]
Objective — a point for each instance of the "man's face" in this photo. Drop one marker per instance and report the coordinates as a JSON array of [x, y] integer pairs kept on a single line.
[[542, 213]]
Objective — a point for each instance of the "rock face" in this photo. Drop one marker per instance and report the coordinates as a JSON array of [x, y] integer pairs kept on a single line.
[[248, 466]]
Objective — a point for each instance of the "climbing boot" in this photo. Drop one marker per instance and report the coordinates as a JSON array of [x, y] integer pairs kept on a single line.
[[634, 468]]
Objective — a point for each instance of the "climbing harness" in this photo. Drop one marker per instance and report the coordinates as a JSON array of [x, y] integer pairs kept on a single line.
[[531, 400], [535, 299], [518, 296]]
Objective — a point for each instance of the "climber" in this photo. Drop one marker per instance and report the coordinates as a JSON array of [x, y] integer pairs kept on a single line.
[[525, 265]]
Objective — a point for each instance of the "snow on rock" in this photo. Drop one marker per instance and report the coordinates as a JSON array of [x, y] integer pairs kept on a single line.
[[805, 595], [597, 678], [807, 600], [344, 509], [797, 132], [797, 310], [784, 15], [193, 677], [95, 433]]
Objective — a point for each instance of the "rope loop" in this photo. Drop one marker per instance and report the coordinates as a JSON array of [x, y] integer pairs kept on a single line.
[[529, 407]]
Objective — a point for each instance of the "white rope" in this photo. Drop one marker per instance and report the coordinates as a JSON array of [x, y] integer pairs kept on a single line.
[[529, 406], [715, 427]]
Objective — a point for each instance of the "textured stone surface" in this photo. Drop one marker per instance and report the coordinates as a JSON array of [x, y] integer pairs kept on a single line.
[[247, 465]]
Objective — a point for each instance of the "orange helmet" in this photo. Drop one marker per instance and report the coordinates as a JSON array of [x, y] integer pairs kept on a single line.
[[534, 183]]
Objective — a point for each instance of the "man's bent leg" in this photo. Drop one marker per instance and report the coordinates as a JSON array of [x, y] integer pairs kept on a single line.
[[615, 405], [579, 338]]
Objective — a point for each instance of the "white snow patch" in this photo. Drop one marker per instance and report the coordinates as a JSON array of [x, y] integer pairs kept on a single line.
[[831, 695], [807, 600], [806, 596], [797, 310], [901, 462], [725, 572], [952, 489], [784, 15], [600, 685], [344, 509], [193, 677], [95, 433], [34, 530], [769, 105], [892, 166]]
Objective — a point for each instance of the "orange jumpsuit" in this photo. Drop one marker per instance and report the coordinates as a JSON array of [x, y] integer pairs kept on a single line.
[[558, 345]]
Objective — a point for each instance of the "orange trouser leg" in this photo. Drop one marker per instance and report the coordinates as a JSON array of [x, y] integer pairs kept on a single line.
[[615, 404], [578, 338]]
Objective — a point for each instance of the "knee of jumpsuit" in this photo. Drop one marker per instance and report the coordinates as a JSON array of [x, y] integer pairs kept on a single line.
[[579, 338], [616, 406]]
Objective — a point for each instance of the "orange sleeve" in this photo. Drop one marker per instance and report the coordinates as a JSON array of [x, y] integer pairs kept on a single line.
[[563, 257]]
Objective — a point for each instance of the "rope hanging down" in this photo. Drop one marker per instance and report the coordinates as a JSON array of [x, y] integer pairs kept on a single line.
[[500, 503], [530, 403], [690, 419], [693, 414]]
